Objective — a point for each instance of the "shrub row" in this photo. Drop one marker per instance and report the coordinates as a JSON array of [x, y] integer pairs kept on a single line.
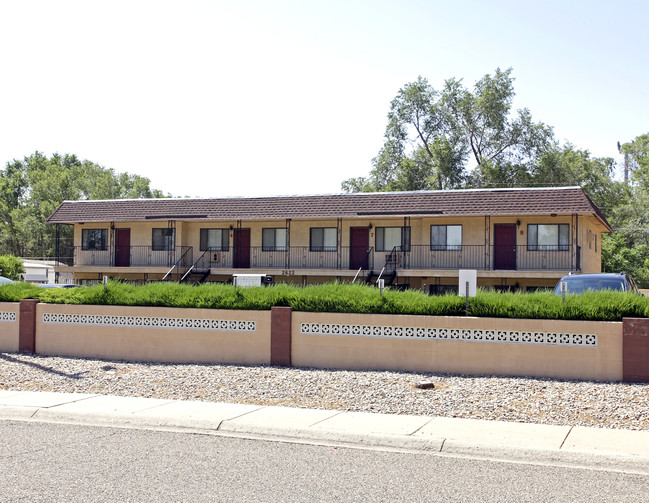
[[345, 298]]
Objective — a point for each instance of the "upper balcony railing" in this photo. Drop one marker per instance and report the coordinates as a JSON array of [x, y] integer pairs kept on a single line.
[[417, 257], [486, 258], [293, 257], [138, 256]]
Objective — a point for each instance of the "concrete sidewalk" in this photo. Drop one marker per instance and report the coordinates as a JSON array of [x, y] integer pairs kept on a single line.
[[533, 442]]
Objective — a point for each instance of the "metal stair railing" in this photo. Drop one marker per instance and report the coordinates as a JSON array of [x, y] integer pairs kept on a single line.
[[200, 262], [177, 264]]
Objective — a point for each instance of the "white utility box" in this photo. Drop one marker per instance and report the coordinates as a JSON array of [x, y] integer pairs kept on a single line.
[[251, 280], [468, 277]]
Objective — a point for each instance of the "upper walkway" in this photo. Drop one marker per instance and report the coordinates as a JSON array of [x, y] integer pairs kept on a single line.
[[415, 257]]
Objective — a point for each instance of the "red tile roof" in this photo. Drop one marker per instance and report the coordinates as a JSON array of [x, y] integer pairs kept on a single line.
[[538, 201]]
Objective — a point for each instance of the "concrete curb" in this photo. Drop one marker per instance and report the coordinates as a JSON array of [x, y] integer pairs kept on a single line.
[[537, 443]]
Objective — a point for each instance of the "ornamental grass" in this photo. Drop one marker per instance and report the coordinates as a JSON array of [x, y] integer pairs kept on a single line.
[[343, 298]]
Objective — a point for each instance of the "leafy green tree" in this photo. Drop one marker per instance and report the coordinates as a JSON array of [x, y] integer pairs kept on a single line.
[[432, 135], [11, 267], [627, 248], [569, 166], [31, 189], [502, 145], [636, 158], [631, 256], [421, 151]]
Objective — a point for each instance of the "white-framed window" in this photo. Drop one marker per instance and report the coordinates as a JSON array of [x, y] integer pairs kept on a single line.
[[94, 239], [323, 239], [548, 237], [274, 239], [445, 237], [389, 238], [163, 239], [215, 239]]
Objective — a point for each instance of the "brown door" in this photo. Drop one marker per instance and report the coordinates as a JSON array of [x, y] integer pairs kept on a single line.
[[242, 248], [359, 241], [505, 246], [122, 247]]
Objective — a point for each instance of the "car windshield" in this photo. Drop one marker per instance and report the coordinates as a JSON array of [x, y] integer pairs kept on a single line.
[[579, 285]]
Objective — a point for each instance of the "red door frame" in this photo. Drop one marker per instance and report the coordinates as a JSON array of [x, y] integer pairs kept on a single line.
[[122, 247], [505, 247], [359, 242]]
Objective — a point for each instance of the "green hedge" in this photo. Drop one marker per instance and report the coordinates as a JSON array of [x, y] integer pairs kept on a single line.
[[344, 298], [11, 267]]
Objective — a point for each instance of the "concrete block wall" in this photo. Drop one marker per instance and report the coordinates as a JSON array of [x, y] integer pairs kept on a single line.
[[154, 334], [537, 348], [460, 345], [9, 326]]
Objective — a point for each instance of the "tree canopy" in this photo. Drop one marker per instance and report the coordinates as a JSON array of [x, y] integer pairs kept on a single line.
[[455, 137], [31, 189], [11, 267], [627, 248], [636, 159]]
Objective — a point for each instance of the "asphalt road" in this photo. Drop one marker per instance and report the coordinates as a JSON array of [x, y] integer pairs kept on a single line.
[[56, 462]]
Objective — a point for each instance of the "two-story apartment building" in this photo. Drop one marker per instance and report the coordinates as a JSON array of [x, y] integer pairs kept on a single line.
[[514, 238]]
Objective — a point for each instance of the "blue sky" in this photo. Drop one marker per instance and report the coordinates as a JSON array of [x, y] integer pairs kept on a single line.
[[216, 98]]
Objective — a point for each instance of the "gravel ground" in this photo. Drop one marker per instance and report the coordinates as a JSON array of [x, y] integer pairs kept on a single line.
[[548, 401]]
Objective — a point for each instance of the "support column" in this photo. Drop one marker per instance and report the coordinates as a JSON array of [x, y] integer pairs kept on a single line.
[[280, 336], [635, 349], [27, 330]]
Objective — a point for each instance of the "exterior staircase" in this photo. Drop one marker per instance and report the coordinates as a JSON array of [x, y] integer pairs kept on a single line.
[[200, 270]]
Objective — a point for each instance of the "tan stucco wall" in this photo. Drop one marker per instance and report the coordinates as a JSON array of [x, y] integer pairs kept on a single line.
[[81, 337], [9, 330], [476, 230], [473, 228], [494, 358], [155, 344], [591, 245]]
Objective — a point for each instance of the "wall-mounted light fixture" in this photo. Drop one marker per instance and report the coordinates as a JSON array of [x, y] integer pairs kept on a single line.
[[370, 226], [518, 223]]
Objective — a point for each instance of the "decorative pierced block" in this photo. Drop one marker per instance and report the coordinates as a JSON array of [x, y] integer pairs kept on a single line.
[[451, 334], [150, 322], [4, 316]]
